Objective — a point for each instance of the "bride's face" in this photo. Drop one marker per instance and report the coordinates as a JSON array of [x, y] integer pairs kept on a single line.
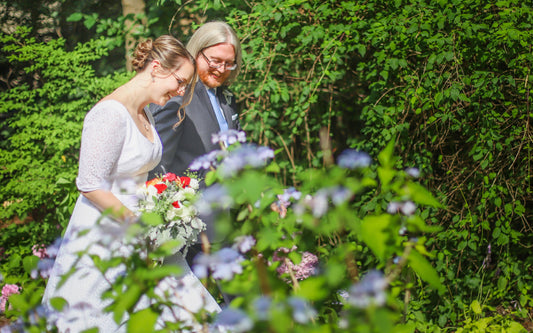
[[175, 83]]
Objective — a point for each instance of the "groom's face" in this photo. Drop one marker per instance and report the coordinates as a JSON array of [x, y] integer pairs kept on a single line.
[[212, 64]]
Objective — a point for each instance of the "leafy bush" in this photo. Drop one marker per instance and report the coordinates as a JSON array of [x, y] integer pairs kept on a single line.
[[39, 153]]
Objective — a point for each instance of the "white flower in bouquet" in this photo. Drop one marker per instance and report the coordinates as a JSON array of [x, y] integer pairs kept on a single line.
[[172, 198]]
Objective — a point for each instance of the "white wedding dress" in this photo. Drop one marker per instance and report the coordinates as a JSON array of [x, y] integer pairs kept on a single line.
[[115, 156]]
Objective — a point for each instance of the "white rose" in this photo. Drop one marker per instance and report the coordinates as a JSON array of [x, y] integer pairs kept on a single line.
[[194, 184]]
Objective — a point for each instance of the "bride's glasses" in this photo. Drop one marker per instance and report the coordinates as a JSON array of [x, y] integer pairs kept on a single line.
[[182, 84]]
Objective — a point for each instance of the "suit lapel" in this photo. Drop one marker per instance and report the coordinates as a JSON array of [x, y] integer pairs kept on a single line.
[[201, 92]]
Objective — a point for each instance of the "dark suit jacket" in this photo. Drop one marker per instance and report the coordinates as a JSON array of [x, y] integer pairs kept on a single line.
[[191, 138]]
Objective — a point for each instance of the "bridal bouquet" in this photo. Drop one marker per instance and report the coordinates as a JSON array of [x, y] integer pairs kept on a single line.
[[172, 197]]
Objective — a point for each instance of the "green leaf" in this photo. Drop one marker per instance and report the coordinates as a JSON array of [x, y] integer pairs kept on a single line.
[[313, 289], [476, 307], [125, 302], [58, 303], [30, 263], [420, 195], [375, 235], [210, 178], [423, 268], [75, 17], [385, 157], [142, 321]]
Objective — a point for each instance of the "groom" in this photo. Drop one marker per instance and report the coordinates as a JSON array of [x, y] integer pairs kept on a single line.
[[217, 51]]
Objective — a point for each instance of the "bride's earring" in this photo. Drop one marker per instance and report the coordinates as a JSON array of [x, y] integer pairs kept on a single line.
[[153, 77]]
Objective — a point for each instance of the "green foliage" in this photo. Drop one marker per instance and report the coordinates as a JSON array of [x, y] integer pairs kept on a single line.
[[449, 80], [44, 118]]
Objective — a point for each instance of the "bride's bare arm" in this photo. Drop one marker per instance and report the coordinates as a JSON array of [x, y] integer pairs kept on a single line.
[[105, 200]]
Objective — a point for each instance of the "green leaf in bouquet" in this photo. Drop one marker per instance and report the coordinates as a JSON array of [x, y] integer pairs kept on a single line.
[[151, 219]]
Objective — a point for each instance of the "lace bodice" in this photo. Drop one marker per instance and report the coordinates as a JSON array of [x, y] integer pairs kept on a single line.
[[113, 149]]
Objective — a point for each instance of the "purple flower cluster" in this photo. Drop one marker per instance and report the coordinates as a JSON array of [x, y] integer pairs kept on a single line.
[[353, 159], [306, 268], [7, 290], [222, 264], [229, 137], [369, 291]]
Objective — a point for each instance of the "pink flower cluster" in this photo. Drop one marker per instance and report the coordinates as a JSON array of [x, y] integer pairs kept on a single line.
[[7, 290], [303, 270], [39, 250]]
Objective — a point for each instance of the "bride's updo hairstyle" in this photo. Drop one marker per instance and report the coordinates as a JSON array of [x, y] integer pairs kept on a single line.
[[171, 54]]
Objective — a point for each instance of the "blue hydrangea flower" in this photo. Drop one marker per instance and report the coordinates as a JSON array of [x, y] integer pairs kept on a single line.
[[353, 159], [249, 155], [215, 196], [230, 137], [407, 208], [222, 264], [244, 243], [413, 172], [233, 320], [207, 161], [262, 307], [302, 311], [369, 291], [288, 194]]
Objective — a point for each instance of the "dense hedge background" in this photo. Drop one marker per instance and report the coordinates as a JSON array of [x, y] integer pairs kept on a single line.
[[448, 80]]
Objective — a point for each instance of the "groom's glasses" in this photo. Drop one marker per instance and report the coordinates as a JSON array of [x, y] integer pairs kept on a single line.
[[216, 64], [182, 84]]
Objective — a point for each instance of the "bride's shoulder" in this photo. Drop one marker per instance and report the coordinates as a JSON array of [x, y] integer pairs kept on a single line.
[[108, 109]]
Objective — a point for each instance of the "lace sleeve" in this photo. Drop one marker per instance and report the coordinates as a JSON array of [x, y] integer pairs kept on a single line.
[[101, 143]]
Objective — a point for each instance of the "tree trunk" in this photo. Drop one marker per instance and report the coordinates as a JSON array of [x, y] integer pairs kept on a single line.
[[131, 7]]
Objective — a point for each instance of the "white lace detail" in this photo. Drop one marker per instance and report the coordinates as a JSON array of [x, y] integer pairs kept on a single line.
[[112, 146]]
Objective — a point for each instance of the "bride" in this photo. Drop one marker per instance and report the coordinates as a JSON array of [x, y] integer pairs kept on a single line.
[[119, 142]]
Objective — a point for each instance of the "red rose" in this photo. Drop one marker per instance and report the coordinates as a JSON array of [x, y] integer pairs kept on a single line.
[[160, 188], [176, 204], [185, 181], [170, 177]]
